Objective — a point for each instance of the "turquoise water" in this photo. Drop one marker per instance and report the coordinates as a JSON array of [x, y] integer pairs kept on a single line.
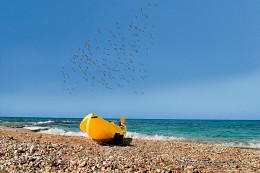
[[241, 133]]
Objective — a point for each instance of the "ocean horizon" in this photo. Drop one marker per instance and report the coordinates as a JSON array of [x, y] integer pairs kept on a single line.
[[235, 133]]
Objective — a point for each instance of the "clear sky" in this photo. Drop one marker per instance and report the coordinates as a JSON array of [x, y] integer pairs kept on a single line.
[[204, 64]]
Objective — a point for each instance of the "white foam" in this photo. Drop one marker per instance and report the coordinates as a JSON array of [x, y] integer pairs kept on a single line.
[[35, 127], [63, 132], [135, 135], [246, 144], [68, 121], [151, 137], [43, 122]]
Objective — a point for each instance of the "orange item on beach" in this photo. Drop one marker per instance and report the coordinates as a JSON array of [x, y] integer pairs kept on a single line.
[[101, 130]]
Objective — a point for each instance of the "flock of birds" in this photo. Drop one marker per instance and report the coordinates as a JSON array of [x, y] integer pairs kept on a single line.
[[115, 62]]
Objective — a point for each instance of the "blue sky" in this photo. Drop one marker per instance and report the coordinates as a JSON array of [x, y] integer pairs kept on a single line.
[[205, 61]]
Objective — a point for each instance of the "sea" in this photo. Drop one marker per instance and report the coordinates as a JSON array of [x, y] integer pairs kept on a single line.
[[236, 133]]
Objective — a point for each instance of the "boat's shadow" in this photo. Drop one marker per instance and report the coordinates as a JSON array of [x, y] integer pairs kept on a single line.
[[126, 142]]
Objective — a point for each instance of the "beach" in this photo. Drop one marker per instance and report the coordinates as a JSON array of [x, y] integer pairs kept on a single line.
[[26, 151]]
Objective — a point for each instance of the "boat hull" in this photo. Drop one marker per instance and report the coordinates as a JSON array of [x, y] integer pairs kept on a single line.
[[101, 130]]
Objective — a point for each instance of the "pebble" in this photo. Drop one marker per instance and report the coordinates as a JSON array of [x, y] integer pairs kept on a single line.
[[21, 152], [72, 163], [32, 149], [82, 164]]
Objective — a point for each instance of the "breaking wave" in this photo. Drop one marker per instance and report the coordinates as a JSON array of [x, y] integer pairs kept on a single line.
[[244, 144], [55, 122], [255, 144], [33, 128], [62, 132], [43, 122], [136, 135]]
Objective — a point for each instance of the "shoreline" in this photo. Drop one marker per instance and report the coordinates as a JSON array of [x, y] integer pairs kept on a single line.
[[22, 149], [183, 140]]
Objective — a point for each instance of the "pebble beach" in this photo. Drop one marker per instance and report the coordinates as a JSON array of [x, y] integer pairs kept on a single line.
[[25, 151]]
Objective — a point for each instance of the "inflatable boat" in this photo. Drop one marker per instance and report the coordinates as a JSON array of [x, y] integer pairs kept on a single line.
[[101, 130]]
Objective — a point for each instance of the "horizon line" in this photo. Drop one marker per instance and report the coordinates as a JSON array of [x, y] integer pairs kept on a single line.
[[135, 118]]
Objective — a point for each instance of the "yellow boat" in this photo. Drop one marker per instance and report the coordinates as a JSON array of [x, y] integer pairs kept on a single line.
[[101, 130]]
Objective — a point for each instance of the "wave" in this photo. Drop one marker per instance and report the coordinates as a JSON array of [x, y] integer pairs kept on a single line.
[[43, 122], [55, 122], [69, 121], [136, 135], [244, 144], [35, 128], [254, 144], [62, 132]]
